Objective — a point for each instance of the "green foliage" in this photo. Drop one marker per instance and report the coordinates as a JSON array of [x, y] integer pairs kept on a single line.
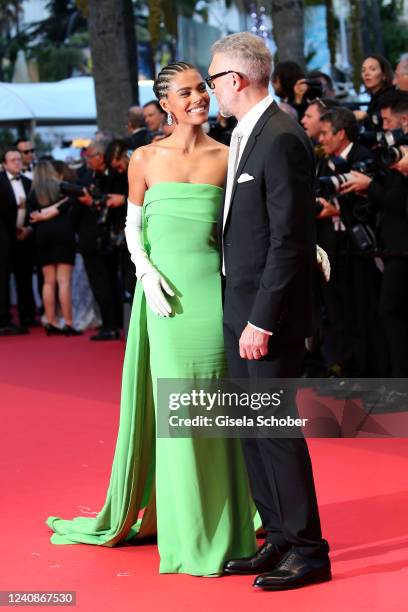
[[56, 63], [395, 32]]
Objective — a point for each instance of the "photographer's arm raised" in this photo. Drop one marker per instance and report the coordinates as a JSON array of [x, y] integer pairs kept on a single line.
[[153, 282]]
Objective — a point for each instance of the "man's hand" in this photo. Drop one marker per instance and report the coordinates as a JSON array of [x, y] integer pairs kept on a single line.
[[402, 165], [23, 232], [153, 286], [329, 210], [253, 344], [360, 115], [114, 200], [323, 262], [359, 182], [86, 198]]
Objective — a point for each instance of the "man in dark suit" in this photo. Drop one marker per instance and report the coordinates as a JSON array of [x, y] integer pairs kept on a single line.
[[138, 133], [267, 232], [16, 244]]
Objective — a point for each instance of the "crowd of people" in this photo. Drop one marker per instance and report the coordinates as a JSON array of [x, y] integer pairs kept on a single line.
[[48, 212]]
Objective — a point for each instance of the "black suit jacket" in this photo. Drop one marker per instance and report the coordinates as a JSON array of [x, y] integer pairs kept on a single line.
[[139, 139], [8, 204], [269, 237]]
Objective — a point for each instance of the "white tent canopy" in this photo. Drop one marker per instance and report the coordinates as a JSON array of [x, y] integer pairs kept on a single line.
[[62, 102]]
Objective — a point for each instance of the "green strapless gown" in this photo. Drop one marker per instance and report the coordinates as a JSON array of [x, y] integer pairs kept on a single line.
[[194, 490]]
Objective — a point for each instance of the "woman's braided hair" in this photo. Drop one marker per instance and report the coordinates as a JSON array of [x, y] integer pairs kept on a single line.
[[165, 76]]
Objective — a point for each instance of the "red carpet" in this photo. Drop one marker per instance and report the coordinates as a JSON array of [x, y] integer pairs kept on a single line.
[[59, 409]]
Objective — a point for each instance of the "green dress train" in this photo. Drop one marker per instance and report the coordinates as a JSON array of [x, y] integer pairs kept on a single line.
[[194, 490]]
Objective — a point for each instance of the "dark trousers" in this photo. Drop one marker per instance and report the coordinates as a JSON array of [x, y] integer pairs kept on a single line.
[[394, 312], [5, 263], [22, 264], [102, 272], [353, 333], [280, 470]]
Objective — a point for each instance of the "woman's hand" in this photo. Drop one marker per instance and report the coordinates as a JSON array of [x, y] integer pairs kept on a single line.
[[40, 215]]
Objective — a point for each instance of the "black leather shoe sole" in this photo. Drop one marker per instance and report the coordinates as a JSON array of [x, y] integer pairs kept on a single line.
[[312, 578]]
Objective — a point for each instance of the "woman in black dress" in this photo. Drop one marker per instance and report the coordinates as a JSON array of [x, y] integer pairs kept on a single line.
[[377, 75], [55, 241]]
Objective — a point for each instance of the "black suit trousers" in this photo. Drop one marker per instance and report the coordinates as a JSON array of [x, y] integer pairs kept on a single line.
[[22, 263], [280, 470]]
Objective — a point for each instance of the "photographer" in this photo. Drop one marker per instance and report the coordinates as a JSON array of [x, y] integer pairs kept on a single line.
[[389, 191], [100, 262], [117, 160], [351, 295]]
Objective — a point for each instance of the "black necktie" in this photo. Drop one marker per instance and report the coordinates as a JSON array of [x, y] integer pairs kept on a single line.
[[16, 178]]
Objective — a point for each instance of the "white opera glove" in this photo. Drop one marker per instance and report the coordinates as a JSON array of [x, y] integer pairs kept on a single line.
[[152, 281], [323, 262]]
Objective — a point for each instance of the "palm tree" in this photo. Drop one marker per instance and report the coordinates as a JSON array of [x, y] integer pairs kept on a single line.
[[9, 19], [113, 48], [289, 29]]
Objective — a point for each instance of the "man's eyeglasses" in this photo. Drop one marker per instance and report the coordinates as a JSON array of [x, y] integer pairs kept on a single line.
[[28, 151], [209, 80]]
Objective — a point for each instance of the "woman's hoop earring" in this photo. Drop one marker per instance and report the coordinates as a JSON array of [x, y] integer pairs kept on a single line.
[[169, 119]]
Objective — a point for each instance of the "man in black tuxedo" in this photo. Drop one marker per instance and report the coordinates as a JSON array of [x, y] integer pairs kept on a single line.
[[138, 133], [16, 244], [267, 231]]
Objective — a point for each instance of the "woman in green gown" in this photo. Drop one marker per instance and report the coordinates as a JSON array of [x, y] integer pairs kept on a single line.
[[193, 490]]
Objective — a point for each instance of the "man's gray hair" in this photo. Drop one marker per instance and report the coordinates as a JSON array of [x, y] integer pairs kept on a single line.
[[403, 61], [135, 117], [250, 52], [98, 146]]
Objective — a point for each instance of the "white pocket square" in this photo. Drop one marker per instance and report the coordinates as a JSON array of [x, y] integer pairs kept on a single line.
[[244, 178]]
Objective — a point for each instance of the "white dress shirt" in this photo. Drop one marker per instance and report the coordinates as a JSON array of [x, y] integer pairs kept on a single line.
[[20, 195], [239, 140]]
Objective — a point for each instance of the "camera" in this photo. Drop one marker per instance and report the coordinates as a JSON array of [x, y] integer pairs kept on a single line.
[[394, 151], [315, 89]]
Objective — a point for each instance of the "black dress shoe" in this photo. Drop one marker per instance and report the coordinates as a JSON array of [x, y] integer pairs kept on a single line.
[[294, 571], [267, 557], [13, 330], [107, 334], [68, 330]]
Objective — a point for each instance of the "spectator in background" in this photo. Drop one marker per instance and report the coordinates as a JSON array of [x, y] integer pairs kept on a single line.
[[353, 332], [377, 75], [221, 130], [284, 78], [138, 134], [16, 244], [154, 117], [401, 73], [27, 151], [100, 262], [55, 241]]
